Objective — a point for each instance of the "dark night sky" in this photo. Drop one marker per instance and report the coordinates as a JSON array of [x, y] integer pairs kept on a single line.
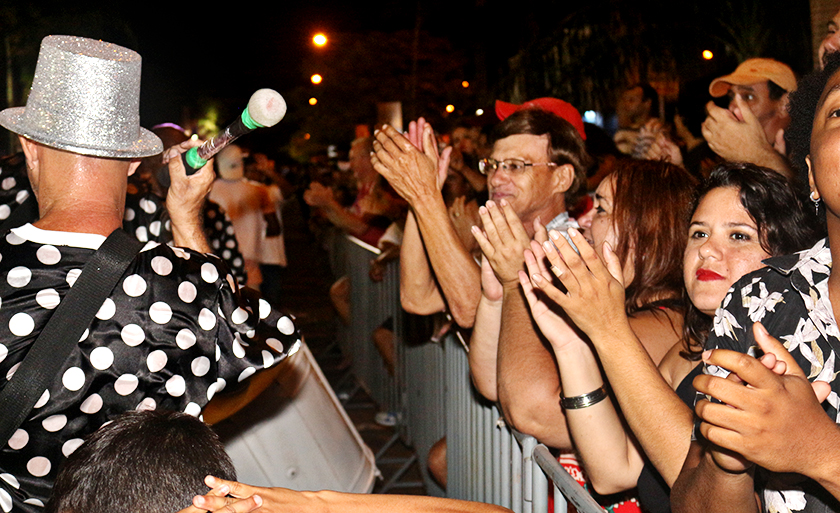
[[194, 53]]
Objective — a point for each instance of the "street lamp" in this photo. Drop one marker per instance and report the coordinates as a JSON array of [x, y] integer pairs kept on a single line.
[[319, 39], [316, 79]]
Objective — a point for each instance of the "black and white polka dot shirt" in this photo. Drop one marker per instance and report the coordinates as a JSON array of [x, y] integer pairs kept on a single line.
[[174, 332]]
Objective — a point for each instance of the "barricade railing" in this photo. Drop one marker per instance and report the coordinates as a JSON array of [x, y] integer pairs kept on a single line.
[[431, 395]]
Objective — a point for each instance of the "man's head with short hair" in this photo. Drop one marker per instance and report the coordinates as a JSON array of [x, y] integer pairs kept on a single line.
[[538, 137], [637, 102], [143, 461], [764, 84]]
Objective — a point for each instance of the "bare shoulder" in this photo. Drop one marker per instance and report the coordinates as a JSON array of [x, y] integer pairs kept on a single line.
[[658, 331], [674, 367]]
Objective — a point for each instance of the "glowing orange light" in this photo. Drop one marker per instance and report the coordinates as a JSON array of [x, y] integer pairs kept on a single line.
[[450, 108], [316, 78], [707, 54], [306, 136], [465, 84], [479, 112], [319, 39], [313, 101]]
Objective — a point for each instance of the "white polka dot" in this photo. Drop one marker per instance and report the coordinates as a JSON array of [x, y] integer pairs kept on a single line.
[[200, 366], [206, 319], [230, 244], [34, 502], [238, 338], [268, 358], [218, 353], [215, 244], [180, 253], [132, 335], [275, 344], [126, 384], [21, 196], [48, 298], [21, 324], [231, 281], [107, 310], [12, 370], [148, 206], [226, 254], [70, 446], [8, 183], [5, 210], [134, 285], [92, 404], [265, 308], [239, 315], [229, 229], [209, 273], [43, 399], [4, 351], [237, 262], [187, 292], [85, 334], [48, 255], [247, 373], [54, 423], [285, 325], [238, 350], [38, 466], [129, 214], [154, 228], [211, 391], [19, 276], [72, 276], [250, 334], [185, 339], [12, 480], [219, 312], [14, 240], [73, 379], [146, 404], [160, 312], [156, 360], [141, 234], [5, 501], [220, 385], [101, 358], [176, 386], [19, 440], [161, 265], [193, 409]]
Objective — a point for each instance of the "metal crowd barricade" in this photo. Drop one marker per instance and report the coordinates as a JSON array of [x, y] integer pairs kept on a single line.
[[432, 396], [489, 462]]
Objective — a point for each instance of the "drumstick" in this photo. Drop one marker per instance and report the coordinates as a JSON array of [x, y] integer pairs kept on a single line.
[[265, 108]]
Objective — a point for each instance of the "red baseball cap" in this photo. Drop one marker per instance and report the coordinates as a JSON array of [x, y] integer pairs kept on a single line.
[[556, 106]]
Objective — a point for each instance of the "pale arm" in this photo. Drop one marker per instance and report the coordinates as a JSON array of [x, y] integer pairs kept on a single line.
[[419, 293], [484, 343], [281, 500]]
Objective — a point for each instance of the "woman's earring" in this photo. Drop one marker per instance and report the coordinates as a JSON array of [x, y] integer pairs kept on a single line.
[[816, 202]]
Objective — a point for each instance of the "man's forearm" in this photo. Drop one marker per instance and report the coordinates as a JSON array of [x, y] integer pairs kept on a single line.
[[528, 381], [419, 293], [456, 271]]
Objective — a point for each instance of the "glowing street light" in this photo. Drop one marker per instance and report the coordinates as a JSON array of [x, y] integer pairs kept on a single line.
[[313, 101], [319, 39], [316, 79], [450, 108], [465, 84], [707, 54]]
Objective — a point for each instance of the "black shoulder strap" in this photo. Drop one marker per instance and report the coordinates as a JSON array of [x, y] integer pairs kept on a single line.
[[64, 329]]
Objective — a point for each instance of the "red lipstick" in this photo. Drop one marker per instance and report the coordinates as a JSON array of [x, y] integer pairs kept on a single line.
[[707, 275]]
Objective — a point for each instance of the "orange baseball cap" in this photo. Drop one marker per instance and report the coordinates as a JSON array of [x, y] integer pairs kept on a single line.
[[752, 71]]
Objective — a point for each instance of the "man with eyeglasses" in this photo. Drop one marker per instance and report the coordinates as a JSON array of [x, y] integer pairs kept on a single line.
[[536, 168]]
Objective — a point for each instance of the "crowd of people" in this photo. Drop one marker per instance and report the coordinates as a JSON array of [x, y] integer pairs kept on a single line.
[[653, 303]]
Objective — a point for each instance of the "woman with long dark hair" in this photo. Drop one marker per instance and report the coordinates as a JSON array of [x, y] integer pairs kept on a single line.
[[742, 215]]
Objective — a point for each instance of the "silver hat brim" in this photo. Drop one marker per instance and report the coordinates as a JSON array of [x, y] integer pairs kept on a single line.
[[146, 145]]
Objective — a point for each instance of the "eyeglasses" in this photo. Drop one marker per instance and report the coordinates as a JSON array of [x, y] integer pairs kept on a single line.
[[510, 166]]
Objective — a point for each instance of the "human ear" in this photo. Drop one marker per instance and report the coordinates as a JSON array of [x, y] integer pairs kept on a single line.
[[811, 184], [132, 166], [564, 177]]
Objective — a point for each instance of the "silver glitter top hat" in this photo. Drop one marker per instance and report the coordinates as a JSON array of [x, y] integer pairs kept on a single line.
[[85, 99]]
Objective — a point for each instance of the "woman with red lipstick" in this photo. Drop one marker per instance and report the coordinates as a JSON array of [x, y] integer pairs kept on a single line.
[[743, 215]]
